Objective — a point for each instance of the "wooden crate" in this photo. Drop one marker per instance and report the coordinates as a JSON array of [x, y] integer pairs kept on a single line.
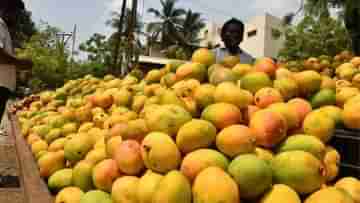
[[347, 143], [34, 188]]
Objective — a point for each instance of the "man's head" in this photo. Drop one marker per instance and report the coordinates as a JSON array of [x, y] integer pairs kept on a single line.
[[9, 10], [232, 33]]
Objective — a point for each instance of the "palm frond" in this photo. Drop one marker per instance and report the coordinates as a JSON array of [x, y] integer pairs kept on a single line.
[[155, 12]]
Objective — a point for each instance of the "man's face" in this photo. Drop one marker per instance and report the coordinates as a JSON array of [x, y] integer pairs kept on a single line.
[[232, 36]]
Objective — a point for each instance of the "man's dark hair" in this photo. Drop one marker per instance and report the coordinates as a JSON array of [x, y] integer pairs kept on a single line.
[[12, 5], [233, 21]]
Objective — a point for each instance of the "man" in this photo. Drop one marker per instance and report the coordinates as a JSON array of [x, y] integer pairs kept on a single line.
[[232, 34], [8, 62], [352, 22]]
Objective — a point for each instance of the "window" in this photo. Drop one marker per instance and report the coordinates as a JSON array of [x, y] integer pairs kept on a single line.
[[252, 33]]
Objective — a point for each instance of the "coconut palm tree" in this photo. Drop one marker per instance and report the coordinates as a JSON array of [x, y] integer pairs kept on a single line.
[[115, 21], [191, 26], [169, 18]]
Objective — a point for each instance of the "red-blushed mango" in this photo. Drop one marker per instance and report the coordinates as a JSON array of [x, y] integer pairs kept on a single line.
[[33, 137], [235, 140], [196, 161], [248, 112], [125, 189], [103, 100], [298, 169], [204, 56], [222, 115], [51, 162], [213, 184], [191, 70], [128, 157], [319, 125], [268, 127], [137, 130], [104, 174], [112, 144], [356, 61], [267, 96], [301, 107], [148, 184], [118, 129], [174, 187], [160, 152], [291, 116], [266, 65], [195, 134], [228, 92]]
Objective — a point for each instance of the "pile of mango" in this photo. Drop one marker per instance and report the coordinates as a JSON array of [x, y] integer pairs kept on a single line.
[[198, 132]]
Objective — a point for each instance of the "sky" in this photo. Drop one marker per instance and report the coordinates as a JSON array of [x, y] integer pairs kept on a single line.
[[90, 15]]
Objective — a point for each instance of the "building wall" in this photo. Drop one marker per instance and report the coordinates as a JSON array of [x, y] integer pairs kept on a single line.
[[272, 45], [254, 37], [258, 39]]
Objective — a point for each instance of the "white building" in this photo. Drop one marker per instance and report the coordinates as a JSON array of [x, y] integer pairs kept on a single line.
[[258, 37]]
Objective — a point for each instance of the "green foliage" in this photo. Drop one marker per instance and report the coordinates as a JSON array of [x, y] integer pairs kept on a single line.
[[52, 64], [314, 37], [24, 28], [98, 49], [169, 17], [48, 56]]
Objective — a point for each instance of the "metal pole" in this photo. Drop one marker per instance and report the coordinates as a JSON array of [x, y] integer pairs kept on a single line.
[[74, 42], [131, 34]]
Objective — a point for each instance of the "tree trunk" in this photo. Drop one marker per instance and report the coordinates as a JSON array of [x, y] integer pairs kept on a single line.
[[352, 23], [115, 68]]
